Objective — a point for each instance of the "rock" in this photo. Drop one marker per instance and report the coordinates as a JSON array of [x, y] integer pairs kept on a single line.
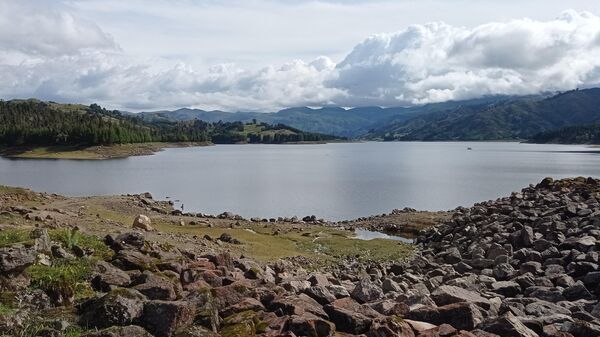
[[118, 307], [195, 331], [119, 331], [544, 308], [106, 276], [246, 304], [320, 294], [452, 255], [133, 260], [309, 325], [507, 326], [506, 288], [419, 327], [390, 327], [578, 291], [162, 318], [583, 329], [131, 240], [41, 240], [451, 294], [366, 291], [350, 316], [156, 287], [338, 291], [390, 285], [462, 315], [143, 222], [318, 280], [60, 253], [503, 271], [16, 258], [298, 305]]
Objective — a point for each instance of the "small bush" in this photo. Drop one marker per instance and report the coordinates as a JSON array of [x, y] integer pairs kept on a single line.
[[64, 281]]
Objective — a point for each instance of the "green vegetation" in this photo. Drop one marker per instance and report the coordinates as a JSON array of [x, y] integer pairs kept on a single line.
[[507, 119], [323, 245], [64, 281], [73, 237], [6, 309], [32, 123], [10, 237], [580, 134]]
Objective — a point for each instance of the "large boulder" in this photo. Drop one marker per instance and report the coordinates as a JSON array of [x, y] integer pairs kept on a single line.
[[143, 222], [157, 287], [390, 327], [106, 276], [310, 325], [350, 316], [462, 315], [162, 318], [366, 291], [298, 305], [451, 294], [16, 258], [118, 307], [507, 326]]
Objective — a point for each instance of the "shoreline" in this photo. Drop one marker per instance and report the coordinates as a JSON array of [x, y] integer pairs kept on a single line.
[[96, 152], [121, 151], [117, 151], [179, 273]]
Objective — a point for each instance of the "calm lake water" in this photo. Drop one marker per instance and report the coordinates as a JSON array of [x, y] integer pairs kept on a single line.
[[334, 181]]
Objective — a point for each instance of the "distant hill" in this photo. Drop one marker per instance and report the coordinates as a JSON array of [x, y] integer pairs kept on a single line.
[[36, 123], [351, 123], [507, 119], [580, 134]]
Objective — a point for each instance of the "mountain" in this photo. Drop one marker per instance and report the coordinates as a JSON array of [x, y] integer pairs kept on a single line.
[[506, 119], [350, 123], [35, 123], [580, 134]]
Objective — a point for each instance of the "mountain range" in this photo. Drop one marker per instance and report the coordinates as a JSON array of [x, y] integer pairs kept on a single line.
[[487, 118]]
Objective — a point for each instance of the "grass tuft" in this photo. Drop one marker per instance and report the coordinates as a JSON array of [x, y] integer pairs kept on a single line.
[[64, 281], [73, 237]]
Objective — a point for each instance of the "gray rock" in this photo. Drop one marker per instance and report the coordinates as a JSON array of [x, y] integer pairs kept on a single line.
[[507, 326], [16, 258], [366, 291], [118, 307]]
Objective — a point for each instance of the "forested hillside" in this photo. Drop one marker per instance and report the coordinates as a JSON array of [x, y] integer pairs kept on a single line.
[[32, 122], [580, 134], [511, 119], [351, 123]]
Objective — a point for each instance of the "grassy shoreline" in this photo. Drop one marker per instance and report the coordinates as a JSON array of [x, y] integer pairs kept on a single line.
[[91, 152]]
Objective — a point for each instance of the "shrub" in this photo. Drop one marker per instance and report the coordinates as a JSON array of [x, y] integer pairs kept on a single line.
[[64, 281], [73, 237]]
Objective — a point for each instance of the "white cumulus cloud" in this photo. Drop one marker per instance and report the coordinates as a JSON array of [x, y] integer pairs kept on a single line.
[[48, 51], [437, 62]]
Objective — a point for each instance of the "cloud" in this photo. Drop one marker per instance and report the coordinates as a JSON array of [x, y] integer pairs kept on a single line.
[[45, 29], [437, 62], [51, 52]]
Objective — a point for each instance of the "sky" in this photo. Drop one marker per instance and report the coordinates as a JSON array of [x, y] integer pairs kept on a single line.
[[234, 55]]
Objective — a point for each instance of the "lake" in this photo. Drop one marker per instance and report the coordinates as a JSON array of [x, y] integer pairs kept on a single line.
[[334, 181]]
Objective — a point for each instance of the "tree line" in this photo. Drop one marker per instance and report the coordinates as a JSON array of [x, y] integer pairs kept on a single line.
[[33, 122], [579, 134]]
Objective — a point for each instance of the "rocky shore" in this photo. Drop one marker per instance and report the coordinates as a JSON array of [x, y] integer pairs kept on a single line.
[[521, 266]]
